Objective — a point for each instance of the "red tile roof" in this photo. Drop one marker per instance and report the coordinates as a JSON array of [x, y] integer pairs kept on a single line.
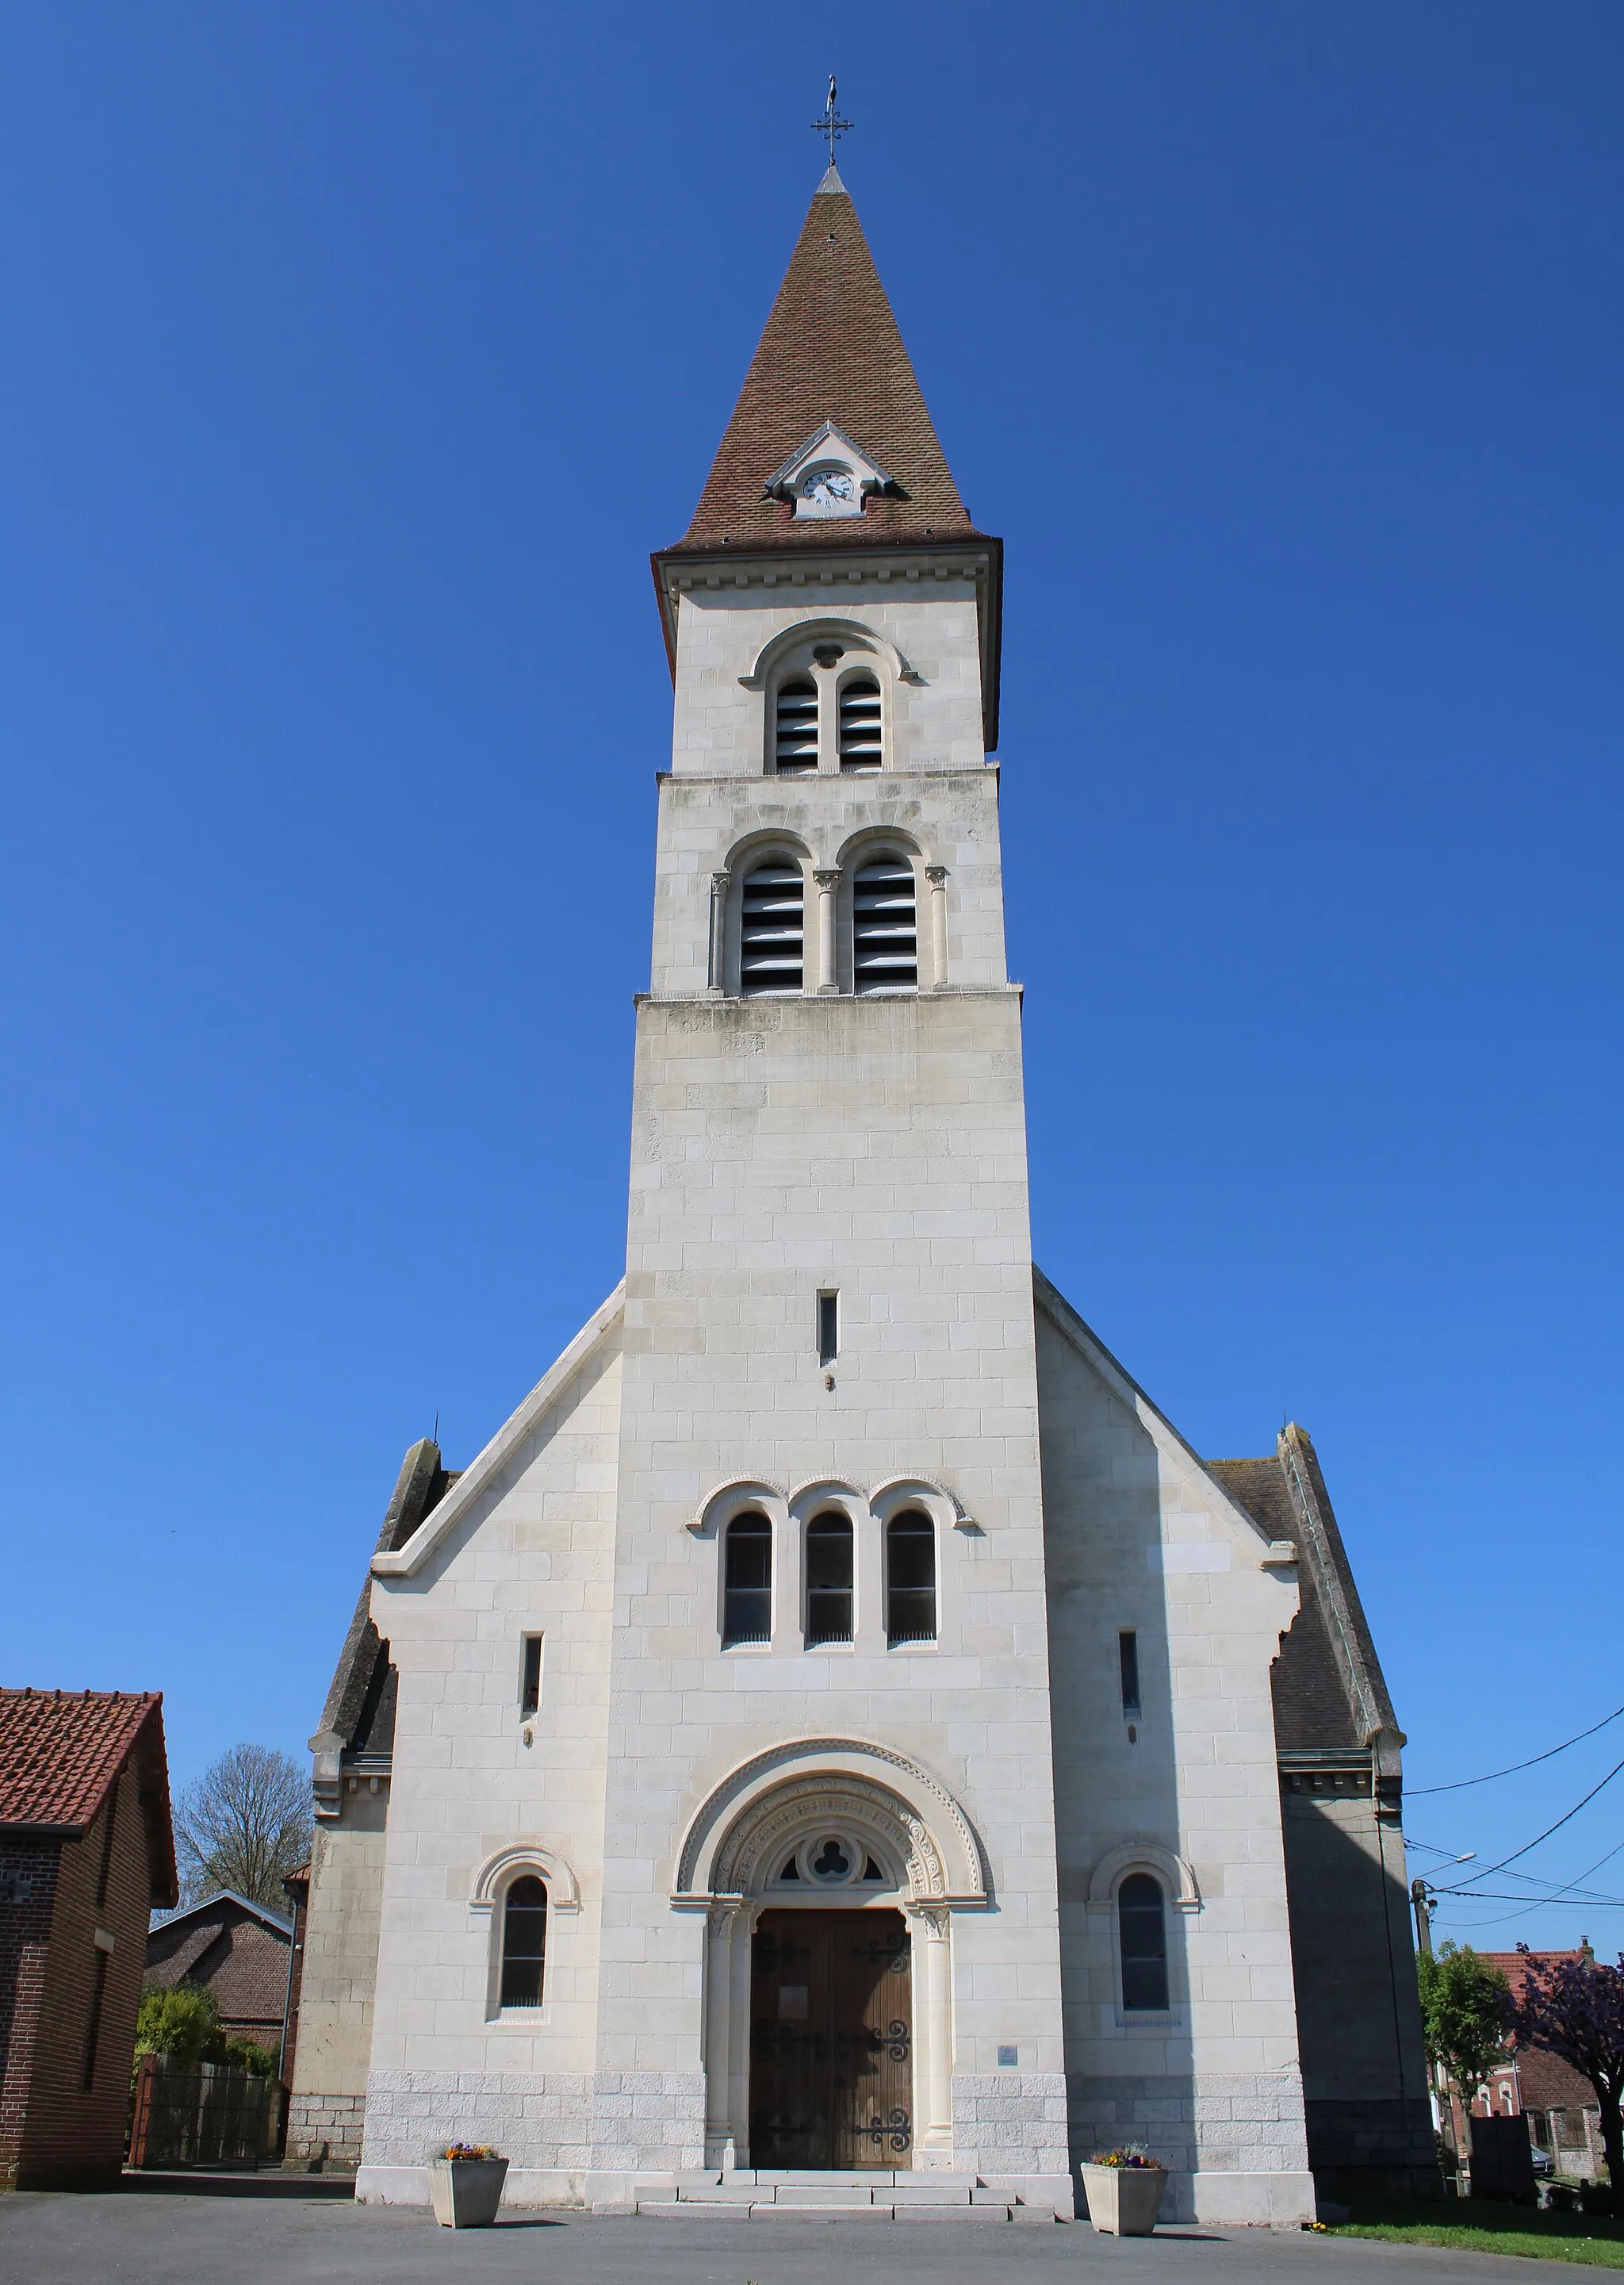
[[830, 351], [61, 1750]]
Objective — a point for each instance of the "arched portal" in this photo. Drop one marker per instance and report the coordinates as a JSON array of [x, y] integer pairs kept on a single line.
[[782, 1858]]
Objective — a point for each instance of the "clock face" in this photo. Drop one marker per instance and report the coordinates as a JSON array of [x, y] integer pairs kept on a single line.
[[828, 488]]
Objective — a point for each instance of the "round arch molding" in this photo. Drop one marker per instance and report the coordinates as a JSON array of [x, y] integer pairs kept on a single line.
[[1175, 1873], [732, 1842], [812, 630]]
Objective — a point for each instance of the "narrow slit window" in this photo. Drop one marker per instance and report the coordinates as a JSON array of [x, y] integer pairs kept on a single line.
[[1141, 1922], [885, 927], [747, 1583], [530, 1687], [796, 743], [524, 1942], [771, 929], [828, 1327], [861, 742], [92, 2030], [910, 1578], [1127, 1658], [828, 1579]]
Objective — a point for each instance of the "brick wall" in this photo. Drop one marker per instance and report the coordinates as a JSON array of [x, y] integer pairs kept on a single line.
[[56, 2133], [28, 1898]]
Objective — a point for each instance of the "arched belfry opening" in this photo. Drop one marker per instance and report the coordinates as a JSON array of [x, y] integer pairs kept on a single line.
[[829, 1872]]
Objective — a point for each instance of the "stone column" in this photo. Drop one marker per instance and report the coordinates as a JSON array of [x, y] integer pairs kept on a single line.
[[716, 979], [738, 2147], [829, 891], [933, 2034], [718, 2008], [936, 875]]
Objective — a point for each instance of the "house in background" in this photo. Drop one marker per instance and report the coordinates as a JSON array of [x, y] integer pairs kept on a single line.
[[236, 1951], [1558, 2102], [86, 1852]]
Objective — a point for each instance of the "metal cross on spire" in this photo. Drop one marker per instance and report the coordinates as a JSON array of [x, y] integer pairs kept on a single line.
[[831, 123]]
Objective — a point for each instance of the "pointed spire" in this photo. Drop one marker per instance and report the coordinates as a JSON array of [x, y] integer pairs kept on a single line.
[[830, 351]]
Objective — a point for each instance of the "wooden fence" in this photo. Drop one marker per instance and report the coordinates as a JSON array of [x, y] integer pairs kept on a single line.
[[200, 2115]]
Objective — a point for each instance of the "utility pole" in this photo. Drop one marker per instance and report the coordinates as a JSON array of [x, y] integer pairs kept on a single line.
[[1421, 1897]]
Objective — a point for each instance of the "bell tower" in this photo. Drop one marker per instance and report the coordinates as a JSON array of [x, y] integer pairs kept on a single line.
[[829, 1547]]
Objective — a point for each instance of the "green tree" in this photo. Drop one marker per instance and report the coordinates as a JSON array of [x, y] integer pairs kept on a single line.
[[1465, 2014], [178, 2020]]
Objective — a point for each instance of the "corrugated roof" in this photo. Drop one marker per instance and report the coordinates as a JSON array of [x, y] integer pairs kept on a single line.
[[830, 351], [59, 1751]]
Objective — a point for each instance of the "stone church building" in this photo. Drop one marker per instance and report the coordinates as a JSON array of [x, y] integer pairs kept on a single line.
[[838, 1744]]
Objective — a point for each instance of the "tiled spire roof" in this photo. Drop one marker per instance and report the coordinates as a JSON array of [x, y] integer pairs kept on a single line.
[[830, 351]]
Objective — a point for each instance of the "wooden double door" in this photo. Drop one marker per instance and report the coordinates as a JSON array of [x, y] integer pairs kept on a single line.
[[831, 2040]]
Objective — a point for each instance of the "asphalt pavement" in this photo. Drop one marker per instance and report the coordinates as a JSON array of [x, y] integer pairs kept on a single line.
[[163, 2239]]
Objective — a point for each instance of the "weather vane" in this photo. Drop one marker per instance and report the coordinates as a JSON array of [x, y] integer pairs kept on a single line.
[[831, 123]]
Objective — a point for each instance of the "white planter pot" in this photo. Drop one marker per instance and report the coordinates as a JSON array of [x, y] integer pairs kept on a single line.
[[466, 2192], [1124, 2201]]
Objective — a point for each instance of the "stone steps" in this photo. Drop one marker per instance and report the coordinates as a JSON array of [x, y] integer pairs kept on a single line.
[[763, 2193]]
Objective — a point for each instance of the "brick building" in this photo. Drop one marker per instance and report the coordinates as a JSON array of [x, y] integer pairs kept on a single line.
[[236, 1951], [1559, 2104], [86, 1851]]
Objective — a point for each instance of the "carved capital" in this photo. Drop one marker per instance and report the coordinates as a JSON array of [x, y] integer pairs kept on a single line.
[[719, 881], [933, 1919], [936, 875], [827, 882]]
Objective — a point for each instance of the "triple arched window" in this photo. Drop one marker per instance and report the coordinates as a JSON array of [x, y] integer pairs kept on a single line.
[[830, 1609]]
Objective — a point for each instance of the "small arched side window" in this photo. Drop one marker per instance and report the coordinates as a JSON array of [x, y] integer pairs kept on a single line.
[[861, 739], [1142, 1926], [524, 1942], [828, 1579], [772, 929], [885, 927], [747, 1580], [795, 749], [910, 1578]]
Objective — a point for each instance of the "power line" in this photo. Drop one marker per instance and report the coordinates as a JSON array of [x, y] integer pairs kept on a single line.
[[1460, 1784], [1550, 1829]]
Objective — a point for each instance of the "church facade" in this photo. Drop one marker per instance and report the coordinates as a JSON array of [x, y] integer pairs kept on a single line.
[[838, 1742]]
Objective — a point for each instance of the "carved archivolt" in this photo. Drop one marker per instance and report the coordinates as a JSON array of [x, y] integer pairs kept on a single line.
[[750, 1822], [757, 1844]]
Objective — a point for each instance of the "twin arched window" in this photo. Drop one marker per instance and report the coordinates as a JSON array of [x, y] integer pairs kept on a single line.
[[909, 1579], [883, 927], [857, 724], [524, 1942]]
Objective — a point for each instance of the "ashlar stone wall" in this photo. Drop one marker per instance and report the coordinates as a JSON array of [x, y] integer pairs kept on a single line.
[[1140, 1538]]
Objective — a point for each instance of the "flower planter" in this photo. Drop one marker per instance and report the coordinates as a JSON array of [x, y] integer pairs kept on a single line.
[[1124, 2201], [466, 2191]]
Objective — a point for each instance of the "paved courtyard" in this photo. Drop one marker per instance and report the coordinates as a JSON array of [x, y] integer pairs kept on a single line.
[[289, 2240]]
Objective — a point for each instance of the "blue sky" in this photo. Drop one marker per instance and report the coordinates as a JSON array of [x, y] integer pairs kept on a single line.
[[354, 359]]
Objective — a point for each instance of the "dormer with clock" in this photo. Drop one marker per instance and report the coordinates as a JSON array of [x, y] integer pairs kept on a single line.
[[829, 476]]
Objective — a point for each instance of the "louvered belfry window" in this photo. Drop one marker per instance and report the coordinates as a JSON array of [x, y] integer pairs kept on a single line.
[[861, 744], [797, 749], [771, 927], [885, 927]]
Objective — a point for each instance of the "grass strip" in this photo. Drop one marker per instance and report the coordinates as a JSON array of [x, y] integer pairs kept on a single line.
[[1588, 2240]]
